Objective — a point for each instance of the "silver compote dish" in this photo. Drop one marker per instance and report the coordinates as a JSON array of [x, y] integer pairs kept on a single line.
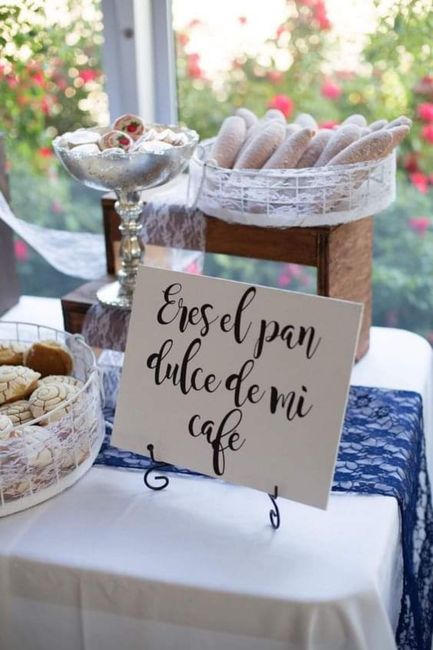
[[126, 173]]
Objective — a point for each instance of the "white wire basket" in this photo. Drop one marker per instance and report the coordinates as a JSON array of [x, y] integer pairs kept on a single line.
[[314, 196], [38, 463]]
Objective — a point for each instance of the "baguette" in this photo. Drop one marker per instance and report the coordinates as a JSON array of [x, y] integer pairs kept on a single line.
[[378, 124], [341, 138], [262, 146], [356, 118], [290, 151], [248, 116], [399, 121], [229, 141], [274, 114], [306, 121], [314, 148], [371, 147]]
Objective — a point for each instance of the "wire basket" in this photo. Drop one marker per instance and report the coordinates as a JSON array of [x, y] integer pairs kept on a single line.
[[38, 464], [314, 196]]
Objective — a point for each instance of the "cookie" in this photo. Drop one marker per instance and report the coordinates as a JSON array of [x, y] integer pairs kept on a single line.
[[85, 150], [130, 124], [60, 379], [116, 139], [18, 412], [81, 136], [341, 138], [11, 354], [314, 149], [154, 146], [48, 397], [16, 382], [229, 141], [290, 151], [41, 447], [262, 146], [49, 358], [6, 426]]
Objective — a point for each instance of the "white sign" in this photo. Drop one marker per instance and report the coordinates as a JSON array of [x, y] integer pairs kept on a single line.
[[237, 381]]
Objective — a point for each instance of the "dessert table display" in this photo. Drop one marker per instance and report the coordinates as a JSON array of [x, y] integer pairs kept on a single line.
[[109, 562], [198, 566]]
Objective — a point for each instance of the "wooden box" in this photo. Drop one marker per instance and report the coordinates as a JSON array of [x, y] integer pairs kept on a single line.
[[9, 286], [341, 254]]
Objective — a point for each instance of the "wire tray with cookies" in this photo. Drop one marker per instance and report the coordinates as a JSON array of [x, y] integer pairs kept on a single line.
[[51, 420], [266, 172]]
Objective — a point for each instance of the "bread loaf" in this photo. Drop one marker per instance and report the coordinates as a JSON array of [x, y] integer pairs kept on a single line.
[[229, 141], [371, 147], [341, 138], [356, 118], [314, 148], [290, 151], [248, 116], [262, 146], [306, 121]]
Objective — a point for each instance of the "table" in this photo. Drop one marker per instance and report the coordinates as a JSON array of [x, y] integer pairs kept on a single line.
[[109, 564]]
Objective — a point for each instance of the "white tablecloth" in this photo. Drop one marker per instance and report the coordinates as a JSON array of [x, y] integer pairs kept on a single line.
[[109, 564]]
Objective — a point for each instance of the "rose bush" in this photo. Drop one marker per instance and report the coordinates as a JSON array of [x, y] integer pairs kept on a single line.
[[395, 77]]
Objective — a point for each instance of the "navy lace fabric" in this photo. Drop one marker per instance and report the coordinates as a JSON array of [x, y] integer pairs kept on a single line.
[[382, 451]]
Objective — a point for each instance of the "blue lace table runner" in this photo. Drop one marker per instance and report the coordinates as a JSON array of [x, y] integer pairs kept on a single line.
[[382, 451]]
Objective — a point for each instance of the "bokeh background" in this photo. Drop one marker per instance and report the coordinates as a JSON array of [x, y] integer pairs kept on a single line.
[[327, 57]]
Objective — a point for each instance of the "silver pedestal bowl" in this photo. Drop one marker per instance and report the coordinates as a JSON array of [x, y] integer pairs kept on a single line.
[[126, 174]]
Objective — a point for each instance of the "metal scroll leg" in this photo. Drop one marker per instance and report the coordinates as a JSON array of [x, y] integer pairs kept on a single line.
[[163, 481], [274, 513]]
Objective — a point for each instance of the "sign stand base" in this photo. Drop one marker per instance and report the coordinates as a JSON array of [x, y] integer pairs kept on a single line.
[[163, 481]]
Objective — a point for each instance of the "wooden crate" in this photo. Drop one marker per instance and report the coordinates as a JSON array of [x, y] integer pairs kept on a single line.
[[9, 286], [341, 254]]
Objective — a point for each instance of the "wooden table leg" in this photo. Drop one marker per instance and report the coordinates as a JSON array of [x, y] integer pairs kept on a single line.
[[344, 266]]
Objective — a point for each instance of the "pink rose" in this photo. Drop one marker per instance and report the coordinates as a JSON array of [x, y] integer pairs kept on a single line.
[[420, 181], [425, 111], [427, 133], [420, 225], [275, 76], [328, 124], [331, 90], [283, 103]]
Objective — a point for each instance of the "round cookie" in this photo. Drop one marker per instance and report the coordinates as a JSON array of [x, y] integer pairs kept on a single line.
[[18, 412], [153, 146], [16, 382], [41, 446], [116, 139], [80, 137], [48, 397], [11, 354], [6, 426], [49, 358], [130, 124], [60, 379]]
